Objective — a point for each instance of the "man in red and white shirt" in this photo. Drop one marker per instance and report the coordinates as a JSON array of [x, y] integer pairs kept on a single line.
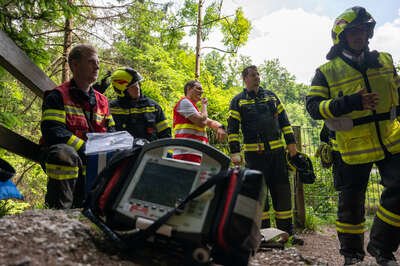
[[190, 122]]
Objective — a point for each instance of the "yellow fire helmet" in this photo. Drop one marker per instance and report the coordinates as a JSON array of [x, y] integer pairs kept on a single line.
[[352, 17], [122, 78]]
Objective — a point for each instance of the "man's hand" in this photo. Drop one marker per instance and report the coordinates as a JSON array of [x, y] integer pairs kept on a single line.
[[369, 100], [236, 159], [221, 134], [292, 149], [204, 101]]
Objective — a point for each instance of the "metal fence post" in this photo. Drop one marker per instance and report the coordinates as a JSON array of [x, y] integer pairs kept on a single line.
[[299, 209]]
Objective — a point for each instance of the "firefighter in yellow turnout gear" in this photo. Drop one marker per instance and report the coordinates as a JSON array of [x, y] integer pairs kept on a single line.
[[356, 93]]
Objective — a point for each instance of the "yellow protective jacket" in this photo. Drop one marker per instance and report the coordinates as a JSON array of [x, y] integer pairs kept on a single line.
[[374, 132]]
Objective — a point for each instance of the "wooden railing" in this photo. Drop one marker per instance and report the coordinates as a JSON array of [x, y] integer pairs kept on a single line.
[[18, 64]]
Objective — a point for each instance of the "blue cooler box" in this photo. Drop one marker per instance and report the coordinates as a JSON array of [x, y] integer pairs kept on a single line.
[[95, 164], [100, 147]]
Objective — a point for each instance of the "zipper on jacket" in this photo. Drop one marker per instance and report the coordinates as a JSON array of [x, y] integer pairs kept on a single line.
[[376, 121]]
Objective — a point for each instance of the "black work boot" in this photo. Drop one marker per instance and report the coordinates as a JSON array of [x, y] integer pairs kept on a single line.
[[351, 260], [265, 223], [383, 258], [296, 240]]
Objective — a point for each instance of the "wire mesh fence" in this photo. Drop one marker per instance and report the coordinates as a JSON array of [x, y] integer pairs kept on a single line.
[[321, 197]]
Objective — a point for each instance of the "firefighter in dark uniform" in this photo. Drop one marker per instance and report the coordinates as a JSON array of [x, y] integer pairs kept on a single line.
[[69, 112], [132, 111], [262, 119], [356, 93]]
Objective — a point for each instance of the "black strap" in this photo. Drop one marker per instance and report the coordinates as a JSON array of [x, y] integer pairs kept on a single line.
[[372, 118], [142, 235]]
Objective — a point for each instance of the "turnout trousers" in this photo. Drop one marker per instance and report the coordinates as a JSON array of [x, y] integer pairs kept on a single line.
[[274, 168], [351, 182], [66, 177]]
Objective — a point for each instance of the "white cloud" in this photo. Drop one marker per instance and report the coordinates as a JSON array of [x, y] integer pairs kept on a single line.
[[387, 38], [300, 40]]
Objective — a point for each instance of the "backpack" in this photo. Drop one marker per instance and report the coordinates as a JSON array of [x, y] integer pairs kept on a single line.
[[238, 219], [229, 202]]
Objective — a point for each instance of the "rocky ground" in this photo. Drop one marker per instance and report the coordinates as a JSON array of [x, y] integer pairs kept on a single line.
[[48, 237]]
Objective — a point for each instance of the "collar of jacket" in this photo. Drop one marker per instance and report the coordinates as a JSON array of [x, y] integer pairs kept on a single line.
[[371, 60], [359, 59], [128, 101], [252, 94], [80, 95]]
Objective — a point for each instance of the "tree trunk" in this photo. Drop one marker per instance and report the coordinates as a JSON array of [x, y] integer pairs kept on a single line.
[[198, 40], [67, 46]]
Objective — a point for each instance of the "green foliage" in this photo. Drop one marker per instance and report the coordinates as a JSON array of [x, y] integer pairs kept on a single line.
[[9, 207], [235, 31], [214, 62], [212, 15], [188, 14], [149, 39], [276, 78], [26, 21]]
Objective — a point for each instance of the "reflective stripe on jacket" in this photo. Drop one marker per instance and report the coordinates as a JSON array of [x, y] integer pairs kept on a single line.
[[366, 141], [184, 128], [262, 120], [142, 118]]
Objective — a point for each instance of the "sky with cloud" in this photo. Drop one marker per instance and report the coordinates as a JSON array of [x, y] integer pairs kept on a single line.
[[297, 32]]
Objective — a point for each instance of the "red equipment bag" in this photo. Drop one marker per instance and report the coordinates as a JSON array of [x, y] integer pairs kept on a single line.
[[238, 221]]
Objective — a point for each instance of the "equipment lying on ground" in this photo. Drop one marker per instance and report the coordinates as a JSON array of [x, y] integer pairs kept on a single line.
[[210, 211], [273, 238], [302, 163]]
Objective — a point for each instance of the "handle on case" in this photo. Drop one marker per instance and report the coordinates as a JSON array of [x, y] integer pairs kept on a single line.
[[189, 143]]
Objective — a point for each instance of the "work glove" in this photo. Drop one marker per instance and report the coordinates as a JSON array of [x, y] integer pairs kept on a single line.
[[64, 154], [302, 163]]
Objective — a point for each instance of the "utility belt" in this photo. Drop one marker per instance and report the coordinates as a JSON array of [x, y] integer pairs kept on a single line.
[[377, 117], [260, 146], [346, 124]]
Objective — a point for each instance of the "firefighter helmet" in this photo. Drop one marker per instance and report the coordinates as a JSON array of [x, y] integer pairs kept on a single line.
[[352, 17], [122, 78], [324, 152], [302, 163]]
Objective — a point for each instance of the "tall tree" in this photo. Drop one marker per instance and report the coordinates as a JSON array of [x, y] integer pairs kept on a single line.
[[235, 28]]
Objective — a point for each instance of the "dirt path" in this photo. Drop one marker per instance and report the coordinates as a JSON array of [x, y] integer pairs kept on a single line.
[[48, 237]]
